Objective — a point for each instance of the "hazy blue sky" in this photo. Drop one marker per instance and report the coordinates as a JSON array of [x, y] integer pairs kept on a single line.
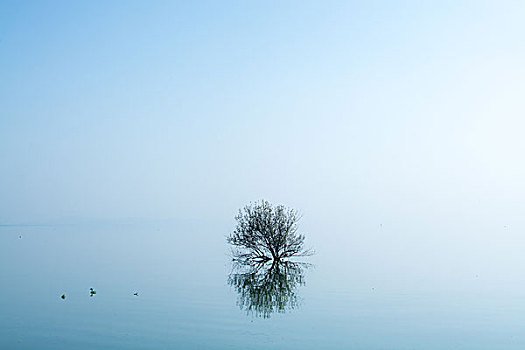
[[153, 109]]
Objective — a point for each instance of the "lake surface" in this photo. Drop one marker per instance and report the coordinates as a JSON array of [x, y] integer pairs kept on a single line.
[[393, 286]]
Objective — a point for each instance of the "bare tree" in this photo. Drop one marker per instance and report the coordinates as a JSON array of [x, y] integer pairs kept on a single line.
[[265, 232]]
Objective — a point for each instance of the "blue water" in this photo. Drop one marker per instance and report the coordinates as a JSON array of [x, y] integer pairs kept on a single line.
[[182, 274]]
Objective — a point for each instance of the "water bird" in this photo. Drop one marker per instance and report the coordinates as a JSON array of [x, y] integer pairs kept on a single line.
[[63, 296], [92, 292], [136, 294]]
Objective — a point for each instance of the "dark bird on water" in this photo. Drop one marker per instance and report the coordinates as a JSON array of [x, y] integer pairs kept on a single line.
[[136, 294], [63, 296], [92, 292]]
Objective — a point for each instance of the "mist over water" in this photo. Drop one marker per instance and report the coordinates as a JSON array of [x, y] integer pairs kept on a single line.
[[131, 135], [367, 294]]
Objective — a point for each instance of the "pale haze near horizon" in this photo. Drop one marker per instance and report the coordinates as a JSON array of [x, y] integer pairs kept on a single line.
[[355, 114]]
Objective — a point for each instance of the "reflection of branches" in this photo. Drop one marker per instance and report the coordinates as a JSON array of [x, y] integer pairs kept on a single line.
[[265, 288]]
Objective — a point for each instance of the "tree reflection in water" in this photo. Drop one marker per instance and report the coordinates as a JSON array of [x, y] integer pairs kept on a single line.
[[265, 288]]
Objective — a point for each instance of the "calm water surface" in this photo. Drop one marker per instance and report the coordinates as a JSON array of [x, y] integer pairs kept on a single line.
[[372, 294]]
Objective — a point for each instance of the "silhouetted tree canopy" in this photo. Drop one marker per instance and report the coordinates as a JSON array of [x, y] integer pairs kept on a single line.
[[265, 232]]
